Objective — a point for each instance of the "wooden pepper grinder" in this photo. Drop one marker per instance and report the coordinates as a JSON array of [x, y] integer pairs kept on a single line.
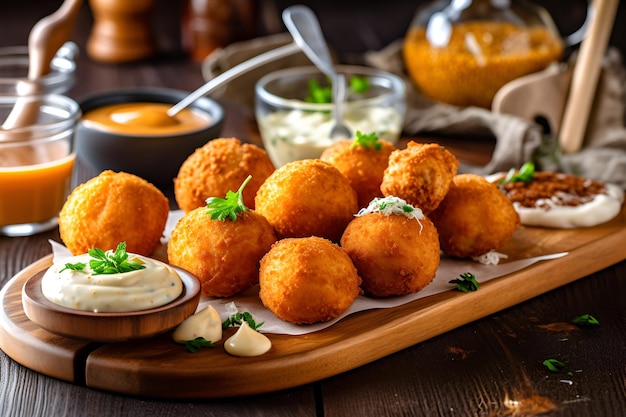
[[122, 30], [211, 24]]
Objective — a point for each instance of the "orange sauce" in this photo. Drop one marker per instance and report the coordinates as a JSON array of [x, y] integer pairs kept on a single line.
[[143, 118], [34, 193]]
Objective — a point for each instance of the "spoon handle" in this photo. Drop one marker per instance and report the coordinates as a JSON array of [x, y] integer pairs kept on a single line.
[[235, 71]]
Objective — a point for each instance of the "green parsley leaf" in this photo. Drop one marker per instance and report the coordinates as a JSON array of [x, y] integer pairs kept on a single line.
[[586, 320], [319, 93], [367, 140], [112, 262], [238, 318], [78, 266], [196, 344], [554, 365], [359, 85], [229, 207], [525, 174], [466, 282]]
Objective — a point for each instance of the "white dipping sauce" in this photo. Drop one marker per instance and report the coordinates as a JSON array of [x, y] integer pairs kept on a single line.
[[205, 323], [247, 342], [154, 286], [296, 134]]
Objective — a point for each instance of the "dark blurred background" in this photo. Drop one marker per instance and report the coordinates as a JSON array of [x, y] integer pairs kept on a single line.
[[350, 26]]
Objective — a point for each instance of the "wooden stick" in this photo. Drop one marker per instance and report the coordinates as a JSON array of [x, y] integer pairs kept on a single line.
[[586, 75]]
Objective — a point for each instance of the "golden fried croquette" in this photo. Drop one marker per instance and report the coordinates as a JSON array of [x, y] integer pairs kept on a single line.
[[223, 255], [474, 218], [393, 254], [111, 208], [420, 174], [362, 166], [307, 280], [217, 167], [308, 197]]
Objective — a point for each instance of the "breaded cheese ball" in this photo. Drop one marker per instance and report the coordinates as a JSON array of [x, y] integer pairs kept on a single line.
[[219, 166], [223, 255], [474, 218], [308, 197], [362, 166], [420, 174], [393, 254], [307, 280], [111, 208]]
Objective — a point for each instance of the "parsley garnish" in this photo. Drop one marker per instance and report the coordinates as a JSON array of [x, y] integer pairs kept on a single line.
[[359, 85], [237, 318], [525, 174], [466, 282], [78, 266], [229, 207], [322, 94], [367, 141], [554, 365], [196, 344], [586, 320], [108, 262]]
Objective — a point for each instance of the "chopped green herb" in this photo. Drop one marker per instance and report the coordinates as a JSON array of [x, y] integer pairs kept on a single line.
[[525, 174], [359, 85], [586, 320], [321, 94], [554, 365], [107, 262], [112, 262], [466, 282], [237, 318], [367, 140], [78, 266], [229, 207], [196, 344]]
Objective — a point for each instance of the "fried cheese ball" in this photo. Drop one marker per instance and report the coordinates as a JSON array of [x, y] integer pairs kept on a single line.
[[307, 280], [362, 166], [111, 208], [223, 255], [420, 174], [308, 197], [394, 255], [474, 218], [217, 167]]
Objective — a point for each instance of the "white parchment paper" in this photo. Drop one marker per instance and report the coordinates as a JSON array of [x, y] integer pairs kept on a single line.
[[250, 302]]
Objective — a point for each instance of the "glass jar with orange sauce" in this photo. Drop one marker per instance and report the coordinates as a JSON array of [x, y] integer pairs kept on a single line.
[[461, 52]]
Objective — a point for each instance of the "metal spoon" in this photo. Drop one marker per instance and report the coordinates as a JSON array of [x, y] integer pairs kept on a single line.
[[306, 32], [233, 72]]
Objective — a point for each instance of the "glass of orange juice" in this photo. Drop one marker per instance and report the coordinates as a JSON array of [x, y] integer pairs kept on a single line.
[[36, 161]]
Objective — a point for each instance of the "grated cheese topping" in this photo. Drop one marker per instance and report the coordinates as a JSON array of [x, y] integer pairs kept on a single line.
[[490, 258], [393, 205]]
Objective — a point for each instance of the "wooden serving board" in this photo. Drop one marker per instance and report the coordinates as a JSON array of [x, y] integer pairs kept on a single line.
[[158, 367]]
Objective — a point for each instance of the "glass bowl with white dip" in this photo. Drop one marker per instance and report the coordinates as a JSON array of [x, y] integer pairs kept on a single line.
[[292, 128]]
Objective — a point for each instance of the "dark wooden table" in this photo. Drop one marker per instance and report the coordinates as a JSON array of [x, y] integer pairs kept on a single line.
[[490, 367]]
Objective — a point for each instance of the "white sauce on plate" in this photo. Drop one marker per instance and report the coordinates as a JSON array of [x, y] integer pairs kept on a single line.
[[599, 210], [297, 134], [247, 342], [205, 323], [154, 286]]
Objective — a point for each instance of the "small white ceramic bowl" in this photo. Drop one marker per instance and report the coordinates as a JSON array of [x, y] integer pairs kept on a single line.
[[292, 128]]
